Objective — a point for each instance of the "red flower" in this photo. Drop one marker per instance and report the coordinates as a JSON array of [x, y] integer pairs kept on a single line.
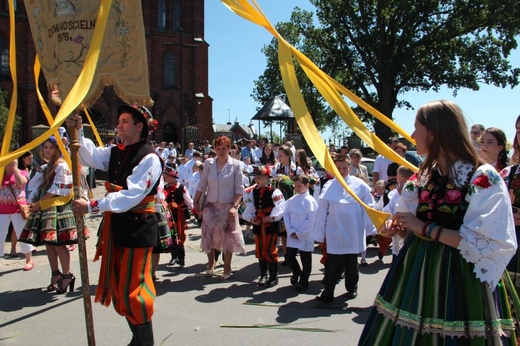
[[424, 196], [453, 196], [482, 181]]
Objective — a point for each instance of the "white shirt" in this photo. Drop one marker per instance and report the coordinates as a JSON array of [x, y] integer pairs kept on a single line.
[[299, 217], [341, 221], [194, 182], [277, 211], [143, 178], [381, 166]]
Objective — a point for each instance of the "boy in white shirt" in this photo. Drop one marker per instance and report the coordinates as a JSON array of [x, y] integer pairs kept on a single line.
[[299, 216], [343, 224]]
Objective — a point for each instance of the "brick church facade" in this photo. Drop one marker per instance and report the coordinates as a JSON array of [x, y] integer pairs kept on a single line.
[[178, 73]]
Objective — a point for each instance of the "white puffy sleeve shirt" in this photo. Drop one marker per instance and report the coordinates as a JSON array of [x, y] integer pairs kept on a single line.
[[341, 221], [143, 178], [488, 230], [299, 217], [61, 185]]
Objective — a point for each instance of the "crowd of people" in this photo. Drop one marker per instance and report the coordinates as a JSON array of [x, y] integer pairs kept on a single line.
[[453, 231]]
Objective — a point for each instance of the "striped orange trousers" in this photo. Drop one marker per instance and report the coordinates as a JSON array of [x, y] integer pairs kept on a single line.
[[133, 290], [266, 247]]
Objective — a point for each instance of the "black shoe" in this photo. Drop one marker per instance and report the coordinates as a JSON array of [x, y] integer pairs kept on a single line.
[[380, 256], [352, 295], [70, 285], [301, 288], [271, 282], [325, 300], [294, 280], [283, 264], [262, 280]]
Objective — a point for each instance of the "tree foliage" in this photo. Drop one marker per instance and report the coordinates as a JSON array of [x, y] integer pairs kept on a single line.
[[4, 113], [382, 49]]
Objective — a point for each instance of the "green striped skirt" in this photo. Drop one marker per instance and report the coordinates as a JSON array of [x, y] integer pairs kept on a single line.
[[432, 297]]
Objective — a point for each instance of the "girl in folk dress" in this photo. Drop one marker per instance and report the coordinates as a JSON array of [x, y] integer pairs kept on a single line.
[[51, 222], [446, 285]]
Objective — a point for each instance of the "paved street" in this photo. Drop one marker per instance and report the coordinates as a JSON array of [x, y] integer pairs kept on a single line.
[[191, 309]]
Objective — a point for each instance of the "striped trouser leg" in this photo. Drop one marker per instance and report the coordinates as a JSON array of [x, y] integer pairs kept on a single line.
[[265, 247], [133, 290]]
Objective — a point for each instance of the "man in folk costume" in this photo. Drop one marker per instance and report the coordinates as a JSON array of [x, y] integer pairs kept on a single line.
[[264, 212], [178, 200], [129, 227]]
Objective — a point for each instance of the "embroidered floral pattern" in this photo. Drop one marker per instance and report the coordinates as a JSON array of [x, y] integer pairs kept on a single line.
[[486, 179], [121, 28], [94, 206]]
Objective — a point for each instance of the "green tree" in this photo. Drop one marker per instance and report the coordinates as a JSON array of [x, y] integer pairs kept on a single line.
[[382, 49], [4, 113]]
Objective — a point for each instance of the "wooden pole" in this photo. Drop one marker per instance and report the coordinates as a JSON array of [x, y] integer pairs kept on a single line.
[[80, 226]]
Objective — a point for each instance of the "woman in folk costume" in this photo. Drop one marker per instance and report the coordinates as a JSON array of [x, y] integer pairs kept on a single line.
[[446, 285], [264, 212], [51, 222], [179, 201], [129, 227]]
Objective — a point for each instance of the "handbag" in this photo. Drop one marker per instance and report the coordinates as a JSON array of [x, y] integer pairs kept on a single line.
[[24, 208]]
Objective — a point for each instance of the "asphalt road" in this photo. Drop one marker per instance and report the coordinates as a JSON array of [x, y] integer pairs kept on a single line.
[[190, 308]]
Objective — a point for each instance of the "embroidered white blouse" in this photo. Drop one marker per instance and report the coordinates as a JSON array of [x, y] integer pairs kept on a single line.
[[61, 186], [488, 231]]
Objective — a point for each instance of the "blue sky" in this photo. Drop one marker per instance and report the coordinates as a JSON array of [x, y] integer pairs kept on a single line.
[[235, 62]]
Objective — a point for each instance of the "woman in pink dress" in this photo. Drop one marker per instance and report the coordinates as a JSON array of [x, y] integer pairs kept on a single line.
[[12, 193], [221, 182]]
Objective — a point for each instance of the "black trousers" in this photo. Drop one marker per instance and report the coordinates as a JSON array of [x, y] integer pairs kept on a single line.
[[335, 266], [297, 271]]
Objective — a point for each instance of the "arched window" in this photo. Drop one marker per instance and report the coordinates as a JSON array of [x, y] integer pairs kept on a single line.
[[161, 14], [169, 70]]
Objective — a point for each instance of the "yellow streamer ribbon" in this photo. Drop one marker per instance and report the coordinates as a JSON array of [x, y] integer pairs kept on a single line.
[[94, 129], [330, 90], [78, 91]]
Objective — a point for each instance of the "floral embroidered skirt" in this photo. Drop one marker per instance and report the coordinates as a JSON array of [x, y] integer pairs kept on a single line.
[[52, 226], [165, 231], [432, 297], [220, 230]]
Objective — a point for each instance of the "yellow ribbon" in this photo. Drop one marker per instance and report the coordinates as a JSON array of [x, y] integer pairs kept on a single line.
[[330, 90]]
